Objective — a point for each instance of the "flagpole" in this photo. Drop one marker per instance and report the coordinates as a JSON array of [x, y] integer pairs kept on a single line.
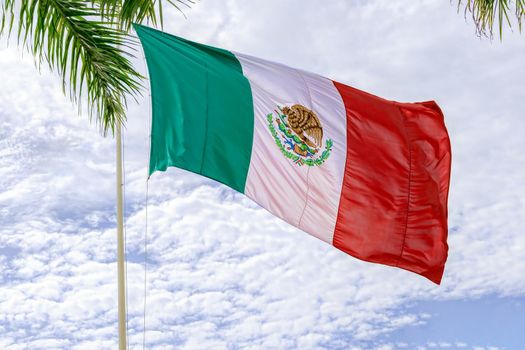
[[122, 341]]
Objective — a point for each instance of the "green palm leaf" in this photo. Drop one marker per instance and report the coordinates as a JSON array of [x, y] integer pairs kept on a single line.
[[138, 11], [489, 13], [86, 42]]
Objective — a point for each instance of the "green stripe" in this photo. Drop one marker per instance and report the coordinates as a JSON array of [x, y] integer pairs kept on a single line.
[[202, 109]]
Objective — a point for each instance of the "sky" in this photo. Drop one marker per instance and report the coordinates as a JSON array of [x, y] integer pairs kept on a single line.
[[223, 273]]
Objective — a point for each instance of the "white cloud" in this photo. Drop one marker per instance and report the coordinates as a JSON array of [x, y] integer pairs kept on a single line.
[[224, 274]]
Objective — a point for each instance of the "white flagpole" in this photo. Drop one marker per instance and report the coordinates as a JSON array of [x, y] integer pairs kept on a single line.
[[122, 341]]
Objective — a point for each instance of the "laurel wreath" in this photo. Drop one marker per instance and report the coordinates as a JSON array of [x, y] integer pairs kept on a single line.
[[294, 157]]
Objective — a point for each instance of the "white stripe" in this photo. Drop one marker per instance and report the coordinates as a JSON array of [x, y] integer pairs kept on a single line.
[[305, 196]]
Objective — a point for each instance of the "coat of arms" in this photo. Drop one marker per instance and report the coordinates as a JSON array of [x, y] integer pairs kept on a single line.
[[298, 133]]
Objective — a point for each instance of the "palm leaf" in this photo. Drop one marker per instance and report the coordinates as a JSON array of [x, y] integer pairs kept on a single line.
[[488, 14], [127, 12], [86, 42]]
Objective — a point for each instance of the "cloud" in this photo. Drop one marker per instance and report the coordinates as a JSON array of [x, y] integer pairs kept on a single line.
[[223, 273]]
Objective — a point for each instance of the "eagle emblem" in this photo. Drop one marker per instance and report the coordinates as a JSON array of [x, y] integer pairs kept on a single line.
[[298, 133]]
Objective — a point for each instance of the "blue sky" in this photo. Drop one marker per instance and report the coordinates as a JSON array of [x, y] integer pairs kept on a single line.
[[488, 320], [223, 273]]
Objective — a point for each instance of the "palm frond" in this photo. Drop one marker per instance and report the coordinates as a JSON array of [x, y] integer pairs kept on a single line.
[[86, 52], [86, 42], [127, 12], [488, 14]]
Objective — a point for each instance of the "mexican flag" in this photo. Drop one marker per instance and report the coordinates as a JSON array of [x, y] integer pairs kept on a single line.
[[366, 175]]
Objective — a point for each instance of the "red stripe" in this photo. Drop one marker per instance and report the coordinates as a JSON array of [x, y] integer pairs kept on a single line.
[[393, 207]]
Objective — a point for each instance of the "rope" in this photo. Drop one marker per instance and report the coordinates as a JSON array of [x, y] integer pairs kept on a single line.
[[145, 268], [146, 212], [125, 233], [125, 247]]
